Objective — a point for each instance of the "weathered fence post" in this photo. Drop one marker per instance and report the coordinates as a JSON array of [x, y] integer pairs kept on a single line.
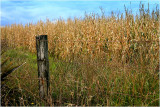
[[43, 65]]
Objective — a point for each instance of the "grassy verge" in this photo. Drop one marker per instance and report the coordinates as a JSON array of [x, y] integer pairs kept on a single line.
[[79, 82]]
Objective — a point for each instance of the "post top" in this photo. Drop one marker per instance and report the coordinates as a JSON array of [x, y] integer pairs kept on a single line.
[[41, 37]]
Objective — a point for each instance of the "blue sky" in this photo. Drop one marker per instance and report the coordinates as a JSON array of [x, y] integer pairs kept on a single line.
[[26, 11]]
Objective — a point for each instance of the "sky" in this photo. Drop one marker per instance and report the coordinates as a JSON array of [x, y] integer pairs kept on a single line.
[[31, 11]]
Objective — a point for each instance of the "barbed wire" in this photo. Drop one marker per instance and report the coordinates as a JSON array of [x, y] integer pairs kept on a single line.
[[105, 41], [99, 40]]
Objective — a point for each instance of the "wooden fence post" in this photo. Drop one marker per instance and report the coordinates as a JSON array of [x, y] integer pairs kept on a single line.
[[43, 65]]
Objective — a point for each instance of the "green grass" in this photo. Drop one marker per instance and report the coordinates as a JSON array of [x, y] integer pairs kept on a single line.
[[83, 82]]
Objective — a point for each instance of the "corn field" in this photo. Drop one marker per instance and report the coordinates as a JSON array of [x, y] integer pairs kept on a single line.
[[127, 38]]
